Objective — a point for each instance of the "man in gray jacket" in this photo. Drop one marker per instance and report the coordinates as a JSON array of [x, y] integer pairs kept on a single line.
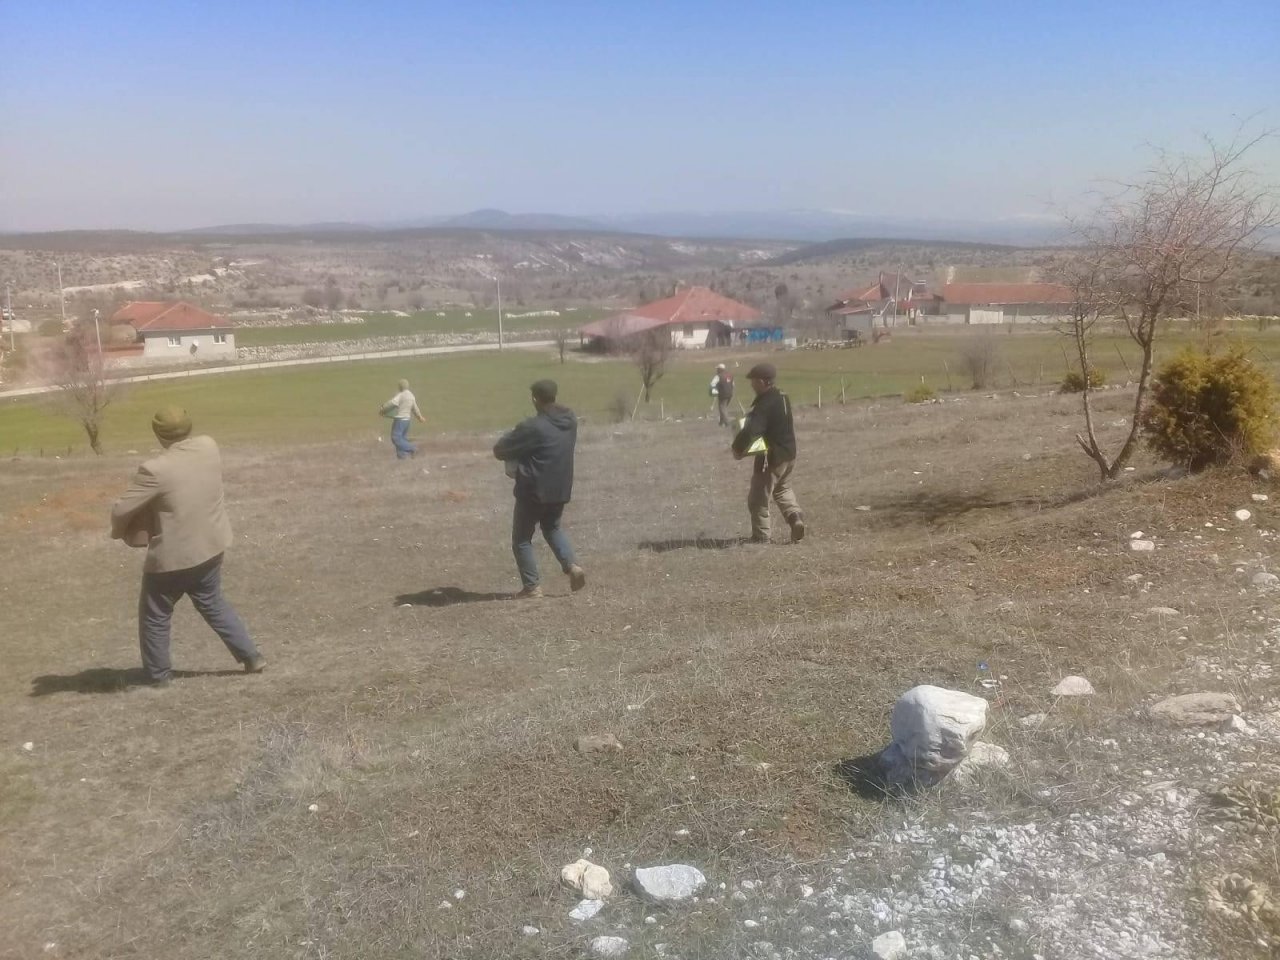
[[174, 507], [541, 450]]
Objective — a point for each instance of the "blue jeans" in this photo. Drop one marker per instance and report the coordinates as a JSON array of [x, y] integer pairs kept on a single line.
[[528, 516], [400, 438]]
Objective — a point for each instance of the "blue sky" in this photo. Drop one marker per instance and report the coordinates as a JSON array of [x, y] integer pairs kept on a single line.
[[175, 114]]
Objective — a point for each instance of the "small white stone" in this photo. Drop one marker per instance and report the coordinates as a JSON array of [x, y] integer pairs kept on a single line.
[[1141, 546], [1236, 724], [889, 946], [29, 746], [1243, 514], [650, 920], [444, 905], [862, 507], [609, 946], [806, 891], [750, 924], [1163, 611], [459, 894], [314, 808], [530, 931], [1136, 535], [1073, 687], [586, 910], [672, 882], [1033, 720], [1258, 497]]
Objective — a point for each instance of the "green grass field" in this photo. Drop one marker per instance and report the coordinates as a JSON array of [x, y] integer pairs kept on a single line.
[[452, 320], [488, 391]]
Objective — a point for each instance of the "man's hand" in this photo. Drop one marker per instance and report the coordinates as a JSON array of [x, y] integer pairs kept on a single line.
[[738, 454]]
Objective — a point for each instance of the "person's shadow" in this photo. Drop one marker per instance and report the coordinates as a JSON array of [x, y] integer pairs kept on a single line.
[[447, 597], [109, 680], [692, 543]]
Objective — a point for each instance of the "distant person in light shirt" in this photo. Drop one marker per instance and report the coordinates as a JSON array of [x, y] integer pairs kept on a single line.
[[400, 408]]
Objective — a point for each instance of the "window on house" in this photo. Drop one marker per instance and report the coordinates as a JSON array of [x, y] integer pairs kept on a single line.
[[175, 341], [219, 338]]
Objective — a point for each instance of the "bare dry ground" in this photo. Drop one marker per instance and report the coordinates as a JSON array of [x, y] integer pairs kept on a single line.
[[430, 722]]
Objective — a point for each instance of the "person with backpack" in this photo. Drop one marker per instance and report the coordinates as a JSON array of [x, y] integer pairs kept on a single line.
[[722, 390]]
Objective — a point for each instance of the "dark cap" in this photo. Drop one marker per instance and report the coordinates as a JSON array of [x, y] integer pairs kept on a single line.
[[763, 371], [544, 391]]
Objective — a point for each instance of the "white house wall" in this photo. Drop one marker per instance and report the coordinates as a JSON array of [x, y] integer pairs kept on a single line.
[[156, 346]]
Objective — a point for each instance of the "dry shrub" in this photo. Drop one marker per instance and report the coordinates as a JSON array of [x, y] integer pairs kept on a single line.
[[979, 358], [1073, 382], [920, 393], [1208, 410]]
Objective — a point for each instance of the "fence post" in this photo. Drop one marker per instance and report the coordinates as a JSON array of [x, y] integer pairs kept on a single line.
[[819, 396], [842, 391]]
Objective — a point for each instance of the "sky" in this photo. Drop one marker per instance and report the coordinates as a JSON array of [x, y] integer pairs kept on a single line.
[[172, 115]]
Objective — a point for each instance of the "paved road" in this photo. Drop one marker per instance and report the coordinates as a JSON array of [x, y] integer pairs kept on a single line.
[[306, 361]]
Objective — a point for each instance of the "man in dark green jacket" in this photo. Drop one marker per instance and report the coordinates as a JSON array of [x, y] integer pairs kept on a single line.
[[540, 451], [769, 422]]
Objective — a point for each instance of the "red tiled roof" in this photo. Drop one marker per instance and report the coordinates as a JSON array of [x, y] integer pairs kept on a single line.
[[1006, 293], [162, 316], [619, 325], [691, 305]]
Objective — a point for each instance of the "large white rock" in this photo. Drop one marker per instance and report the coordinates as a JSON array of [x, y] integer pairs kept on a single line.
[[1197, 709], [1265, 579], [609, 946], [589, 879], [1073, 687], [585, 910], [889, 946], [669, 884], [932, 729]]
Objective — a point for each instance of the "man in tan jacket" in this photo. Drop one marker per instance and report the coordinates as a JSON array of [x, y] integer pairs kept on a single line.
[[174, 508]]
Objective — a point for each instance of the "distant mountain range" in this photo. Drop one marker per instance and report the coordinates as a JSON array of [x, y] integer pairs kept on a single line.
[[802, 226]]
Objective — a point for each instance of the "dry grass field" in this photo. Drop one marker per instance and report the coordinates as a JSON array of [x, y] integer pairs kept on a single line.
[[414, 733]]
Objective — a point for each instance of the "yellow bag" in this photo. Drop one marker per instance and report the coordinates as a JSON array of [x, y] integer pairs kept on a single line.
[[759, 446]]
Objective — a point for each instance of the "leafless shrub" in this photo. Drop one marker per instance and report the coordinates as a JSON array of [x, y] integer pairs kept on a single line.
[[77, 369], [1153, 249], [979, 358], [651, 351]]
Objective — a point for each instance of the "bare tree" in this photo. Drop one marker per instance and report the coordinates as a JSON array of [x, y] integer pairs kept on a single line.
[[562, 342], [84, 393], [651, 350], [1157, 242], [1085, 276]]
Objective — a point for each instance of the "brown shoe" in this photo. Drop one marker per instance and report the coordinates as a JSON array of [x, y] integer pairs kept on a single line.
[[255, 664], [530, 593], [577, 578]]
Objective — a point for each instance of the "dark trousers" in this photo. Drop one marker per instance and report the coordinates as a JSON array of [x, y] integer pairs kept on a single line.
[[527, 517], [162, 591]]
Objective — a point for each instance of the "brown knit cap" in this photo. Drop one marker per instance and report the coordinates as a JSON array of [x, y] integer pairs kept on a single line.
[[171, 424]]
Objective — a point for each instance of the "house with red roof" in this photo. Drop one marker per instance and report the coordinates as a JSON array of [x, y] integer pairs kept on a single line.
[[985, 303], [173, 331], [692, 317], [881, 303]]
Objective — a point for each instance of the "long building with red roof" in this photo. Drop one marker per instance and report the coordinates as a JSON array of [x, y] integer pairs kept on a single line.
[[693, 316]]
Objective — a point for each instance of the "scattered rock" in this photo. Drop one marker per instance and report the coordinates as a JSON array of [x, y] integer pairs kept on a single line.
[[1243, 514], [1073, 687], [932, 730], [862, 507], [669, 884], [598, 743], [1236, 724], [585, 910], [609, 946], [589, 879], [1033, 720], [1196, 709], [1141, 546], [1164, 611], [29, 746], [1136, 535], [1258, 497], [889, 946], [314, 808], [529, 930], [982, 756], [1265, 579]]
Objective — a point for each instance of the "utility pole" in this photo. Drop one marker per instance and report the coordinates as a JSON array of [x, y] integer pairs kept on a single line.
[[62, 298], [8, 315], [98, 333], [499, 285]]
